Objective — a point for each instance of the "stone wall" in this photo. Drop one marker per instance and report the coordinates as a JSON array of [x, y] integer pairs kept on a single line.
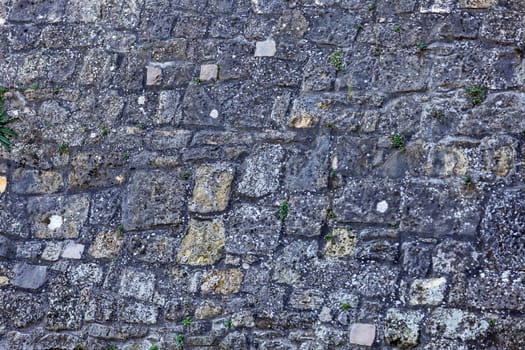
[[264, 174]]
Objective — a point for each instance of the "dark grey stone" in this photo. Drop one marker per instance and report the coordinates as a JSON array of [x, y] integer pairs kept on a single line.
[[29, 276]]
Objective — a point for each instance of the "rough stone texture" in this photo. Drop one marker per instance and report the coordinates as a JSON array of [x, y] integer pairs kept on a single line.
[[281, 173], [402, 328], [153, 199], [430, 291], [211, 192], [202, 244]]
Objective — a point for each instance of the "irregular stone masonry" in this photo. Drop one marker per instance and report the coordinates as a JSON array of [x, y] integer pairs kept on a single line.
[[262, 174]]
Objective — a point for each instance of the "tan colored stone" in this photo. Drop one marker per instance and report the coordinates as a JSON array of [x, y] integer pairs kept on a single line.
[[212, 189], [222, 281], [476, 4], [362, 334], [342, 243], [3, 184], [202, 243], [448, 161], [207, 309], [302, 121], [503, 160], [107, 245], [35, 182], [4, 281]]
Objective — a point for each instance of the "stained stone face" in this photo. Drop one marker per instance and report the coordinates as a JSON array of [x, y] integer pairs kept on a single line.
[[211, 192], [428, 291], [403, 328], [222, 281], [61, 217], [152, 199], [203, 243], [340, 242], [106, 245], [261, 172], [137, 284]]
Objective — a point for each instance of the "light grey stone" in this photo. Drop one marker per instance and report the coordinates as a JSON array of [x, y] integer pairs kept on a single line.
[[29, 276]]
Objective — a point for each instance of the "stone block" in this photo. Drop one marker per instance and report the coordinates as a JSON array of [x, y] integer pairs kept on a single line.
[[261, 171], [36, 182], [107, 245], [402, 328], [203, 243], [29, 276], [362, 334], [265, 48], [153, 75], [153, 198], [137, 284], [222, 281], [429, 291], [73, 250], [211, 192], [456, 324], [306, 215], [209, 72]]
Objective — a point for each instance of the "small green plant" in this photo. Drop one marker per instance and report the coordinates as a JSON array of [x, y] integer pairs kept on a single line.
[[63, 148], [358, 26], [336, 60], [125, 155], [371, 7], [394, 225], [197, 81], [330, 214], [437, 114], [5, 133], [345, 306], [105, 131], [282, 210], [188, 304], [492, 322], [228, 323], [34, 86], [139, 126], [396, 28], [154, 347], [186, 321], [328, 236], [120, 230], [468, 183], [179, 339], [397, 141], [185, 175], [56, 90], [476, 94], [330, 125], [421, 46], [112, 347], [332, 174]]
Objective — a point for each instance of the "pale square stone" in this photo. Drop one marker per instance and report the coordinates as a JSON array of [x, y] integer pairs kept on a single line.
[[362, 334], [153, 75], [209, 72], [436, 6], [52, 251], [265, 48], [73, 251]]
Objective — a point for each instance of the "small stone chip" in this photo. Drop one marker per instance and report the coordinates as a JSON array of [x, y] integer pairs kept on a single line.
[[362, 334], [265, 48], [382, 207], [73, 250], [209, 72], [214, 114], [3, 184], [153, 75]]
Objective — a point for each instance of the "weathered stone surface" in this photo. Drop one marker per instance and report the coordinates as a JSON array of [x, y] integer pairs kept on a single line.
[[106, 245], [476, 4], [456, 324], [222, 281], [402, 328], [72, 250], [29, 276], [306, 300], [137, 284], [261, 172], [251, 229], [209, 72], [207, 309], [430, 291], [95, 170], [211, 192], [138, 313], [202, 244], [155, 247], [34, 182], [340, 242], [152, 199], [61, 217], [306, 215]]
